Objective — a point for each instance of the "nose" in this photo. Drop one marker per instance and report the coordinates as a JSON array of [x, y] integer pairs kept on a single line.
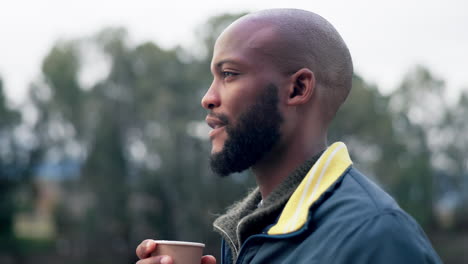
[[211, 99]]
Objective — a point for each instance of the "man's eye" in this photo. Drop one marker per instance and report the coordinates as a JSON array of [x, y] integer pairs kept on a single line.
[[227, 74]]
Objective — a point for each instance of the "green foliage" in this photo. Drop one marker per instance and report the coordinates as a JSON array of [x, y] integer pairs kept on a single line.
[[144, 166], [60, 69], [15, 166], [389, 137]]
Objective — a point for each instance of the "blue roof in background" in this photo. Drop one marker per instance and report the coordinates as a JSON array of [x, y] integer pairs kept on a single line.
[[65, 169]]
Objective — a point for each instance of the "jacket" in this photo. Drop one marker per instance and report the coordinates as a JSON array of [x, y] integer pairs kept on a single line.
[[336, 215]]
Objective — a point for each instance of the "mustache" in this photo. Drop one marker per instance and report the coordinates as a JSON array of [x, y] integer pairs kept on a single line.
[[221, 117]]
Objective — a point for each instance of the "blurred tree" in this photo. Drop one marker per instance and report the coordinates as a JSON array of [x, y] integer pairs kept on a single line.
[[138, 134], [365, 123], [419, 106], [7, 182], [16, 189], [451, 161], [388, 136], [59, 130]]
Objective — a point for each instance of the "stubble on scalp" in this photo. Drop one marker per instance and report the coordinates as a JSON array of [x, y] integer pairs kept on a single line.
[[256, 133]]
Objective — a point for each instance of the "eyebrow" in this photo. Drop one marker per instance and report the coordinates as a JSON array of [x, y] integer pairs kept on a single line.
[[220, 63], [236, 62]]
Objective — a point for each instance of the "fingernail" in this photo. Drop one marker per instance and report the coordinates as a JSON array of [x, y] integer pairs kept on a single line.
[[166, 260], [149, 243]]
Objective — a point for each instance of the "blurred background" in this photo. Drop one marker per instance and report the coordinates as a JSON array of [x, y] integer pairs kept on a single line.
[[103, 141]]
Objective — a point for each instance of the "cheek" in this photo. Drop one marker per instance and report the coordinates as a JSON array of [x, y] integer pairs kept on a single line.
[[239, 96]]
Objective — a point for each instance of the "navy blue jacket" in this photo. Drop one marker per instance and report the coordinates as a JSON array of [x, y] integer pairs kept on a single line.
[[337, 215]]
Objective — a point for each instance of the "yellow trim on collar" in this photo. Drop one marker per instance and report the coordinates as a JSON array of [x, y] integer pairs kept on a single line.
[[328, 168]]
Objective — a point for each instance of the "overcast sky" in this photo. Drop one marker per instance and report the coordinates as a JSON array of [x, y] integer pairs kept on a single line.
[[385, 38]]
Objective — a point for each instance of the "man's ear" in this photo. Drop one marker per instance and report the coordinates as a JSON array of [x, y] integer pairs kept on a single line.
[[302, 87]]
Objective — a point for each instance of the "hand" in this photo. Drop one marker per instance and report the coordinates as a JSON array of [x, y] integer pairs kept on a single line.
[[148, 246]]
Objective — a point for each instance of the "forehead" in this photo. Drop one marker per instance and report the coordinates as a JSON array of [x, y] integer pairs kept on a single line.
[[247, 42]]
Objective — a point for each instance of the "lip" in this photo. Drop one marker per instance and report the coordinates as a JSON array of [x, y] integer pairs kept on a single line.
[[215, 131], [216, 125]]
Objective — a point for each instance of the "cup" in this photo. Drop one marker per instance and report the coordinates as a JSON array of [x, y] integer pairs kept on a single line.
[[181, 252]]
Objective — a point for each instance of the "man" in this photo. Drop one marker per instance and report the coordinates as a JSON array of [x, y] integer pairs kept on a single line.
[[279, 78]]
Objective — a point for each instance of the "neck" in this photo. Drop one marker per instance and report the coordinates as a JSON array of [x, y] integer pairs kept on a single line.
[[282, 161]]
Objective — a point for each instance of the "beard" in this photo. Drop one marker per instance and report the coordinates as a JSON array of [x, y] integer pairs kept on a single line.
[[255, 135]]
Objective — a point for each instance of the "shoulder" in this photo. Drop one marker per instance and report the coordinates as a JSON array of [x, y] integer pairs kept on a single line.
[[390, 236], [353, 199], [366, 191], [366, 225]]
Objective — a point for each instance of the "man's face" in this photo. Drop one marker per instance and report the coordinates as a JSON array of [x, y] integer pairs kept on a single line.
[[256, 132], [243, 103]]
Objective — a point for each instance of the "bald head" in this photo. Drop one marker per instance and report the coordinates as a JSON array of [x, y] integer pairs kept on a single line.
[[293, 39]]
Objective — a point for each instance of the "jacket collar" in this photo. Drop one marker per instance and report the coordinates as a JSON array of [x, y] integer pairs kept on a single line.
[[325, 172], [245, 218]]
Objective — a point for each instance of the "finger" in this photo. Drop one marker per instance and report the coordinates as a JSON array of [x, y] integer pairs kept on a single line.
[[145, 248], [156, 260], [208, 260]]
